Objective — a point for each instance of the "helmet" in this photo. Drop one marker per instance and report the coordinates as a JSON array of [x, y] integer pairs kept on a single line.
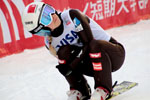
[[36, 17]]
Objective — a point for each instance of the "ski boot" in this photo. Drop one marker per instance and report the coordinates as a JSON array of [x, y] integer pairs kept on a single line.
[[74, 95], [100, 93]]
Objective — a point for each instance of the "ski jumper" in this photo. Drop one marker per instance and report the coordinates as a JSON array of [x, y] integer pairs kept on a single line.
[[84, 48]]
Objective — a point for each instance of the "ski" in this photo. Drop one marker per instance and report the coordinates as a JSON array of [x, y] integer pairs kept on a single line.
[[122, 87]]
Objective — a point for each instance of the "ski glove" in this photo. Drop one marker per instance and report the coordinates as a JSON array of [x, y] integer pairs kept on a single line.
[[64, 69]]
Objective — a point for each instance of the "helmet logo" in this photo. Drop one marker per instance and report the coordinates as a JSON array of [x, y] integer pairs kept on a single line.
[[29, 22], [31, 8]]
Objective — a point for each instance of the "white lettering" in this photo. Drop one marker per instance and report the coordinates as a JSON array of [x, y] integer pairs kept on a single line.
[[95, 55], [142, 4], [122, 7], [133, 4], [97, 10]]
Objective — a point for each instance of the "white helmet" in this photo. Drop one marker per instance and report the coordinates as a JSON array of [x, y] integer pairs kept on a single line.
[[36, 16]]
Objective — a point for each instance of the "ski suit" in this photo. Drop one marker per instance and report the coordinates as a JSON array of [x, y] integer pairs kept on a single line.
[[84, 48]]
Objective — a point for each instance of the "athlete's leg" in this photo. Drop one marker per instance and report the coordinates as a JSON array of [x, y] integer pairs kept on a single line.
[[75, 78], [106, 57]]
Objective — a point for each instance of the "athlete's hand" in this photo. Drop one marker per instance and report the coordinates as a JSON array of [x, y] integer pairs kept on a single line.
[[64, 69]]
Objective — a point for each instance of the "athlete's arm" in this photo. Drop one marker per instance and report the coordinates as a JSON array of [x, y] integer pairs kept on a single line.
[[81, 22]]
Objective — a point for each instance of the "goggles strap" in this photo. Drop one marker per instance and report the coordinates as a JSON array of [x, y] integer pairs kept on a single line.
[[37, 29]]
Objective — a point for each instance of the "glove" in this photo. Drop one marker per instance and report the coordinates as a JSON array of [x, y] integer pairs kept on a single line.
[[64, 69]]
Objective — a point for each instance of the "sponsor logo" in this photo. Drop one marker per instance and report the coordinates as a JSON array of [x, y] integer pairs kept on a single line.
[[62, 61], [97, 66], [95, 55], [29, 22], [77, 24], [68, 39]]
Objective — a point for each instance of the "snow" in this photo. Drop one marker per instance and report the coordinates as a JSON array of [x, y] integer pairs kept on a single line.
[[32, 75]]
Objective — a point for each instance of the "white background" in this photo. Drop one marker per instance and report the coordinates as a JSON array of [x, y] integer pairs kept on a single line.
[[32, 75]]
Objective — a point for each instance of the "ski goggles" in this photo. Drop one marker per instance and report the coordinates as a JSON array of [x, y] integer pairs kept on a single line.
[[46, 17], [44, 20]]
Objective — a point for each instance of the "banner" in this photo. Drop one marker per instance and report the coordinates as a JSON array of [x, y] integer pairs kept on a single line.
[[107, 13], [13, 37]]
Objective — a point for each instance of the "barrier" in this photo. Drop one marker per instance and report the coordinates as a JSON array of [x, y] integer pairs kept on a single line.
[[107, 13]]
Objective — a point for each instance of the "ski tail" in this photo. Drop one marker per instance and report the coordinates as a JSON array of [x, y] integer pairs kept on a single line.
[[121, 88]]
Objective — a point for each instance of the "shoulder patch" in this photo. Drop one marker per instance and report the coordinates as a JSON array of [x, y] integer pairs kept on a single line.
[[77, 24]]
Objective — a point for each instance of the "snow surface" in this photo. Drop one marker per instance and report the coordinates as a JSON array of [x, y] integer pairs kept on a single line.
[[32, 75]]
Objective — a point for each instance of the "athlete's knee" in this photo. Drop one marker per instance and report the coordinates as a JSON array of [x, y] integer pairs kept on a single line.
[[96, 45], [93, 45], [119, 64], [115, 68]]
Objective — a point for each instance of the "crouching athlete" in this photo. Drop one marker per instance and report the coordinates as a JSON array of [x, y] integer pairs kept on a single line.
[[81, 46]]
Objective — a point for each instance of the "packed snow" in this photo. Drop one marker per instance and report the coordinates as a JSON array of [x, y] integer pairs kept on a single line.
[[32, 75]]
